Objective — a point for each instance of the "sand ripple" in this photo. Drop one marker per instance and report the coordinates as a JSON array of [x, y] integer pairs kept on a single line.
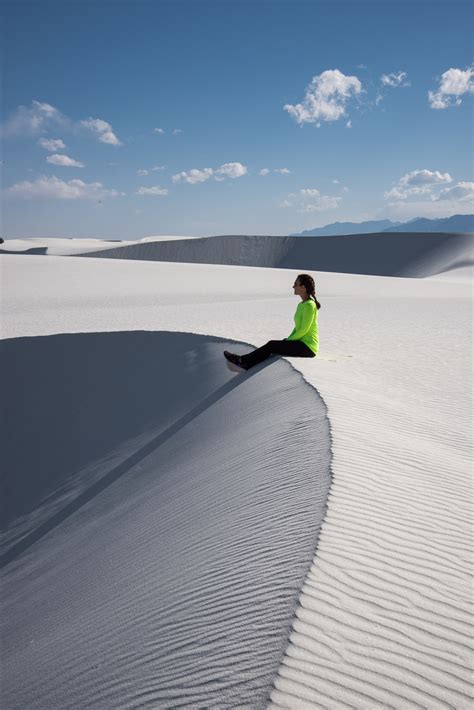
[[176, 583]]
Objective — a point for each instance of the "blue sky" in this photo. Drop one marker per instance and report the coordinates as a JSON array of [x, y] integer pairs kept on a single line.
[[124, 119]]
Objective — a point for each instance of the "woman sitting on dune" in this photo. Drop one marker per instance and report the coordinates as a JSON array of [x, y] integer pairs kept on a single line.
[[302, 341]]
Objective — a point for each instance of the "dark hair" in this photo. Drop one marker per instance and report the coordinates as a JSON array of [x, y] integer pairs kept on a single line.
[[308, 282]]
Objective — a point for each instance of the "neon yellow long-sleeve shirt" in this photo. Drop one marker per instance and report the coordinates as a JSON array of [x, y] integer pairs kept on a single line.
[[306, 325]]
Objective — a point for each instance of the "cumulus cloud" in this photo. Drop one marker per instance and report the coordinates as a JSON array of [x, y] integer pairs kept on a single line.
[[34, 119], [398, 79], [193, 176], [177, 130], [311, 200], [156, 190], [102, 130], [230, 170], [264, 171], [64, 161], [227, 170], [42, 117], [52, 144], [158, 130], [462, 192], [325, 97], [54, 188], [418, 182], [453, 84]]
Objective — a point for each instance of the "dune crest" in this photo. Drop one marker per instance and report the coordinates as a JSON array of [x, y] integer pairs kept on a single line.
[[383, 254], [165, 567]]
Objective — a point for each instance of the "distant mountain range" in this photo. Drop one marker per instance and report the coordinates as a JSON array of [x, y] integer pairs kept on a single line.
[[456, 223]]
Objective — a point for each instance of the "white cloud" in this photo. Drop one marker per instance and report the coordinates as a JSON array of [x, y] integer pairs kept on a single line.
[[425, 177], [41, 117], [395, 79], [454, 83], [157, 167], [64, 161], [418, 182], [176, 131], [311, 200], [432, 208], [102, 130], [193, 176], [143, 172], [349, 124], [264, 172], [52, 144], [230, 170], [462, 192], [325, 97], [156, 190], [227, 170], [158, 130], [325, 202], [34, 119], [54, 188]]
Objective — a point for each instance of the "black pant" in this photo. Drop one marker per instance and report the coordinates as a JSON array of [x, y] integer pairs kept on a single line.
[[295, 348]]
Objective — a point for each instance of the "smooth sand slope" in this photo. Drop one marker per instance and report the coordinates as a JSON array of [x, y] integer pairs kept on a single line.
[[158, 524], [66, 246], [384, 615], [384, 254]]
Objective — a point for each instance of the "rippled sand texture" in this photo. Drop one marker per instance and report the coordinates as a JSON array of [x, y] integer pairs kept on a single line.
[[385, 617], [383, 620], [164, 569]]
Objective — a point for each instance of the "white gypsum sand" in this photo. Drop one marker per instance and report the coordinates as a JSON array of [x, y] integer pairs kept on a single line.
[[172, 577], [66, 246], [383, 619]]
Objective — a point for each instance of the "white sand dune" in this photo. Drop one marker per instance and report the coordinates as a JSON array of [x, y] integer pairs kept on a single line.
[[167, 531], [384, 614], [384, 254], [67, 246]]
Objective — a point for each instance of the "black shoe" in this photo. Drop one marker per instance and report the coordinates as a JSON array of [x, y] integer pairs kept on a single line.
[[234, 359]]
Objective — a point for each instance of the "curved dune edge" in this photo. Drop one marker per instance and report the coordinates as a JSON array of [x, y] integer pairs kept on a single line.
[[176, 582], [67, 246], [409, 254]]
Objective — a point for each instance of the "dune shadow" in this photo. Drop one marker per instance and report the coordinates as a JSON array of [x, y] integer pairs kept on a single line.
[[70, 400], [40, 251]]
